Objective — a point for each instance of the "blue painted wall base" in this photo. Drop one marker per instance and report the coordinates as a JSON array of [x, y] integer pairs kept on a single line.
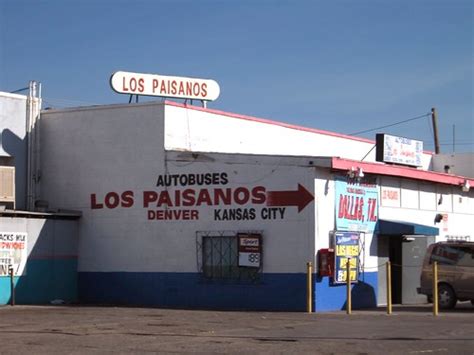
[[45, 280], [276, 292], [333, 297]]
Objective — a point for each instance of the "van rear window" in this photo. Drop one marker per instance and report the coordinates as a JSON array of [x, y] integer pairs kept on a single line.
[[452, 255]]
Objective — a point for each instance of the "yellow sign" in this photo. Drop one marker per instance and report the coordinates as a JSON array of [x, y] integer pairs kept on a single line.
[[343, 263], [342, 275], [347, 250]]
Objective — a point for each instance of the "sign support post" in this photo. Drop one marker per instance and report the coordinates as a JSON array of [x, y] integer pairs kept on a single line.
[[348, 283], [12, 285]]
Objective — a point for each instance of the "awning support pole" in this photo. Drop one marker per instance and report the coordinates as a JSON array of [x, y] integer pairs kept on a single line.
[[389, 288]]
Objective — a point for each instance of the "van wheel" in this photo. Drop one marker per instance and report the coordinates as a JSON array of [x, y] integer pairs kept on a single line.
[[446, 297]]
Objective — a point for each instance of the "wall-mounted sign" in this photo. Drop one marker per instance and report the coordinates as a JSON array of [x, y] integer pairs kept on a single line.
[[398, 150], [390, 196], [164, 86], [250, 250], [356, 204], [13, 253], [184, 196], [346, 250], [445, 222]]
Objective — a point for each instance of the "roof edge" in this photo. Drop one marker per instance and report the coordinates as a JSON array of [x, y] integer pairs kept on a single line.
[[12, 96], [100, 107], [400, 171], [268, 121], [59, 214]]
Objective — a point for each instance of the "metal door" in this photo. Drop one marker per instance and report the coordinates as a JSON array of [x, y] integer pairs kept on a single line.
[[413, 252]]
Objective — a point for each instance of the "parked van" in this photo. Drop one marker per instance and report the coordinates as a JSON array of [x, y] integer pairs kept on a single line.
[[455, 272]]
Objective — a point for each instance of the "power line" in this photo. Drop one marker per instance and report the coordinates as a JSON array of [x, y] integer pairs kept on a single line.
[[457, 141], [468, 143], [390, 125], [19, 90]]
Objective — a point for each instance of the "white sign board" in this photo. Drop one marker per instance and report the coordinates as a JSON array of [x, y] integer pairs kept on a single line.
[[13, 253], [164, 86], [398, 150], [250, 250], [390, 196]]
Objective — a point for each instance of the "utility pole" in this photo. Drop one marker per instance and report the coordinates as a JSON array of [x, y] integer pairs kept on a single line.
[[454, 138], [434, 118]]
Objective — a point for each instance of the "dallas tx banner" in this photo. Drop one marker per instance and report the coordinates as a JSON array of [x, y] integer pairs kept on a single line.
[[356, 205]]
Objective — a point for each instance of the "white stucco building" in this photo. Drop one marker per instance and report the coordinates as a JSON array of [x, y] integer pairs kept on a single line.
[[183, 206]]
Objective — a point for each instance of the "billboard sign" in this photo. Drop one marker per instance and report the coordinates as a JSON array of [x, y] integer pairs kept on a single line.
[[164, 86], [398, 150]]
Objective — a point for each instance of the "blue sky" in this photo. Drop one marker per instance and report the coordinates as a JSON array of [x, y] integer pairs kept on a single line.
[[342, 66]]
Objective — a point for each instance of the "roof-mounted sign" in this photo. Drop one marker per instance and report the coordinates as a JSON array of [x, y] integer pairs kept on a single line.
[[164, 86], [398, 150]]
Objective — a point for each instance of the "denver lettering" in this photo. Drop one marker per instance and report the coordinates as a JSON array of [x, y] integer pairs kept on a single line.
[[183, 215]]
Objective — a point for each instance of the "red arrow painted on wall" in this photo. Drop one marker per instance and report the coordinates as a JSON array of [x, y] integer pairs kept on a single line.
[[300, 198]]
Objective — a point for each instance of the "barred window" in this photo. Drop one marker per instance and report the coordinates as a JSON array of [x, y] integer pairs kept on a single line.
[[218, 258]]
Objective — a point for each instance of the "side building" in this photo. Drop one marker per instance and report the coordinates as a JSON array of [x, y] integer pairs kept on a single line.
[[38, 248]]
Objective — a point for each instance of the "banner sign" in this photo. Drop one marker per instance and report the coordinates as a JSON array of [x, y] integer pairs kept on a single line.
[[13, 253], [356, 204], [181, 197], [164, 86], [398, 150], [250, 250], [346, 246]]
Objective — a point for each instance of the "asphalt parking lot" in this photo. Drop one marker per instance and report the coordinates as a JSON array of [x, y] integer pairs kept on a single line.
[[90, 329]]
